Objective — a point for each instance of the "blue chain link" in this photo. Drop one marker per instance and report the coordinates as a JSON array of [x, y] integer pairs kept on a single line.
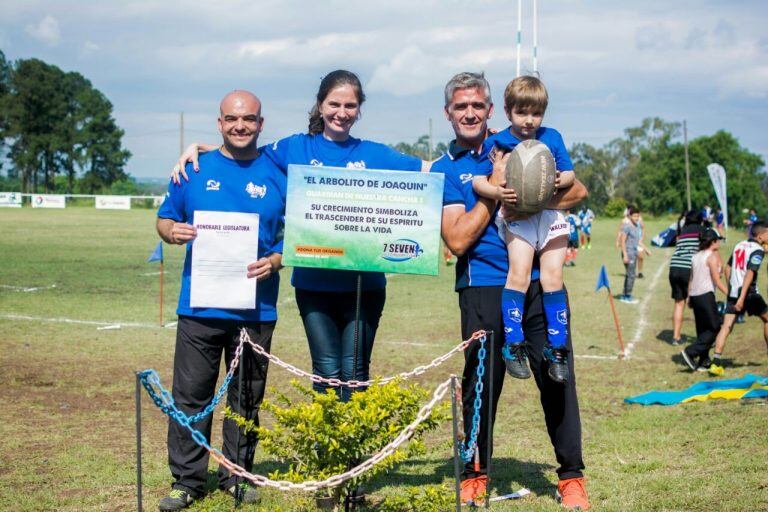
[[150, 380], [468, 450]]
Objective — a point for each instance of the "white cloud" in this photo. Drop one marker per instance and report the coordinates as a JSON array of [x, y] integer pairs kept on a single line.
[[46, 31]]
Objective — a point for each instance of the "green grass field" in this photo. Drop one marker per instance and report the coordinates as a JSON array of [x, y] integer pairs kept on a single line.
[[67, 438]]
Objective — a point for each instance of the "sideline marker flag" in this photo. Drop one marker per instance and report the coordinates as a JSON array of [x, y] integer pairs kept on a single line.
[[157, 254], [602, 281]]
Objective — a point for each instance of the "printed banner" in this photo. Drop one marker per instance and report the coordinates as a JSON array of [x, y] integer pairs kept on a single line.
[[49, 201], [717, 175], [10, 200], [113, 202], [372, 221]]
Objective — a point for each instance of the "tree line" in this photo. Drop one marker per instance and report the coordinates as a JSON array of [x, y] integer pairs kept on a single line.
[[57, 132], [646, 167]]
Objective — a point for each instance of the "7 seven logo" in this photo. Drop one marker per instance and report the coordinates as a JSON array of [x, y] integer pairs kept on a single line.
[[465, 178], [402, 249], [212, 185]]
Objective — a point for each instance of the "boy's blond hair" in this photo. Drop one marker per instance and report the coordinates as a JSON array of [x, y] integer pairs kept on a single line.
[[526, 92]]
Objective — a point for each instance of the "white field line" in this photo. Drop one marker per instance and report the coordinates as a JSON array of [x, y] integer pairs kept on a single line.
[[151, 274], [641, 322], [26, 288], [99, 325]]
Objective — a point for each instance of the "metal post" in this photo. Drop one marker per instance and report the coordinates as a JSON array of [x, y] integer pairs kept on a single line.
[[138, 441], [687, 164], [456, 467], [489, 417], [240, 371], [429, 153], [519, 34], [535, 40], [356, 352], [181, 132]]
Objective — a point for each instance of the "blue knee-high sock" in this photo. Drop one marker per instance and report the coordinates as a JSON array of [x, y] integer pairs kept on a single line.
[[556, 311], [512, 309]]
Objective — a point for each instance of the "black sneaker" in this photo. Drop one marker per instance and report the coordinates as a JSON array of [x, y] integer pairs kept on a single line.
[[640, 275], [177, 499], [247, 493], [558, 364], [704, 364], [688, 360], [515, 360]]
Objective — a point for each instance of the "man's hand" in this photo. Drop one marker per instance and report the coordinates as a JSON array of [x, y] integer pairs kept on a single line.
[[181, 233], [264, 267], [739, 304]]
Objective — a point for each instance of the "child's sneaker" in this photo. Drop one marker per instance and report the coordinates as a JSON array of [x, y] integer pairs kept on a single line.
[[515, 360], [558, 363]]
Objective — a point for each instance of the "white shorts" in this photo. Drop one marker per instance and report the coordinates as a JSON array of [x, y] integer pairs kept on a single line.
[[538, 229]]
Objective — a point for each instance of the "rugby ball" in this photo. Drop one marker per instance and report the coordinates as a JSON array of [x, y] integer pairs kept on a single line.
[[531, 172]]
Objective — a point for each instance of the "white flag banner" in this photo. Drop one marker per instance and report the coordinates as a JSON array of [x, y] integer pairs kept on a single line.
[[10, 200], [717, 175], [49, 201], [113, 202]]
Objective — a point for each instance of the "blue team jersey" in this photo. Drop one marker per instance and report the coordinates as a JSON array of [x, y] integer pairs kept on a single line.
[[223, 184], [485, 263], [549, 136], [304, 149], [573, 226]]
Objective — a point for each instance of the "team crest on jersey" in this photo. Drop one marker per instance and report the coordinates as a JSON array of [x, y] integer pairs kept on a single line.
[[562, 316], [466, 177], [316, 162], [356, 165], [212, 185], [515, 315], [256, 191], [756, 259]]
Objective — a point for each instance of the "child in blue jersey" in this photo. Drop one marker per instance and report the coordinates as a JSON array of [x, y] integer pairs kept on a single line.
[[544, 234], [574, 227], [586, 216]]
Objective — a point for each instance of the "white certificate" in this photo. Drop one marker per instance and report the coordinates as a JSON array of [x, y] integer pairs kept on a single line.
[[226, 243]]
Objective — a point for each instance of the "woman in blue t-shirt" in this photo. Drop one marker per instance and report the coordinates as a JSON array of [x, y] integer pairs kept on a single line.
[[327, 298]]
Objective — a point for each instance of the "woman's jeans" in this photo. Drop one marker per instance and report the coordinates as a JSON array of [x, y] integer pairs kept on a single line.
[[329, 321]]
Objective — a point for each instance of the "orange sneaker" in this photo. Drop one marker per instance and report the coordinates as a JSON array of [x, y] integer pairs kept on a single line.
[[473, 490], [572, 494]]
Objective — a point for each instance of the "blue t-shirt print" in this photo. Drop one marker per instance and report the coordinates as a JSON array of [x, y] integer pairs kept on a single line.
[[227, 185], [304, 149]]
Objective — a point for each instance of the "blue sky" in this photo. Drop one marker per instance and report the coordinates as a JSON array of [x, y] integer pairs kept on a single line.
[[607, 64]]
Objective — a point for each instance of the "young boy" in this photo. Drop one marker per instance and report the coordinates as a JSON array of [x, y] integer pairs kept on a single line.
[[587, 216], [631, 234], [743, 295], [543, 234], [572, 250]]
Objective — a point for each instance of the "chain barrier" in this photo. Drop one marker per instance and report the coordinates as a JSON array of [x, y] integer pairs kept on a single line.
[[468, 449], [151, 375], [244, 337], [164, 401]]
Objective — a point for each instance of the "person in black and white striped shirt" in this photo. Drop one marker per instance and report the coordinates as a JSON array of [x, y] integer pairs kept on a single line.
[[686, 245]]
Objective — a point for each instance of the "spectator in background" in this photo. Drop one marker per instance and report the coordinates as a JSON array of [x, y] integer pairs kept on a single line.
[[630, 246], [687, 242], [750, 221], [720, 222]]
